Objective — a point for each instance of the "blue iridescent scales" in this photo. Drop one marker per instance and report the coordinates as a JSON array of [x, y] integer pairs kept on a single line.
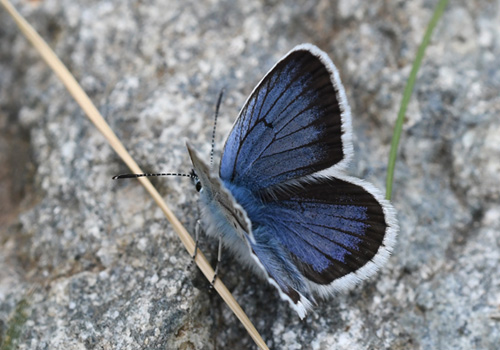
[[281, 200], [281, 132]]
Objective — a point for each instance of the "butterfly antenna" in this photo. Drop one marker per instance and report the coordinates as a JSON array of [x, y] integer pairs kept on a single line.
[[133, 176], [215, 126]]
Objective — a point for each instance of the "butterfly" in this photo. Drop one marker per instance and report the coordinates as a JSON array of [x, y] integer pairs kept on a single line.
[[281, 201]]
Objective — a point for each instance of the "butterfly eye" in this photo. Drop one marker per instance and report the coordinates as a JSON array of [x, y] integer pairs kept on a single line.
[[196, 181]]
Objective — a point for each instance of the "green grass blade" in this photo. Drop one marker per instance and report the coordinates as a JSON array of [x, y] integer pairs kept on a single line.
[[438, 12], [15, 326]]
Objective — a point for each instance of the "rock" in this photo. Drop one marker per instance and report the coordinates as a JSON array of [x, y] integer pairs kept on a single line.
[[100, 267]]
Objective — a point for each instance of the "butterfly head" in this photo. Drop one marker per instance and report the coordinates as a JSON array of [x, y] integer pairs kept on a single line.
[[200, 172], [196, 180]]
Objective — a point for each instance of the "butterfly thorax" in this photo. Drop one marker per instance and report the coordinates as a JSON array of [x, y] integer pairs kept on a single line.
[[219, 201]]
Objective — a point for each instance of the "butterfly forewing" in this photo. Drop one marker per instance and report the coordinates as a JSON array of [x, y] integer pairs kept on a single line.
[[292, 125]]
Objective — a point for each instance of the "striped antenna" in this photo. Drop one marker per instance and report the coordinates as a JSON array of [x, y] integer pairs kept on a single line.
[[133, 176], [219, 100]]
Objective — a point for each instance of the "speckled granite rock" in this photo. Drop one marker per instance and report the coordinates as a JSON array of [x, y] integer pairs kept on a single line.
[[99, 265]]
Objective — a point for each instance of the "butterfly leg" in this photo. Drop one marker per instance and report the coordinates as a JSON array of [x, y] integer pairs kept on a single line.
[[219, 253], [196, 237]]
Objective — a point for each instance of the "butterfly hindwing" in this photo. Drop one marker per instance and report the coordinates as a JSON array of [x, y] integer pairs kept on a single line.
[[323, 234], [338, 230], [296, 122]]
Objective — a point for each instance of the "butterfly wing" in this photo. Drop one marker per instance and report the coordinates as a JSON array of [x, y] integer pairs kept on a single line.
[[296, 122], [324, 234]]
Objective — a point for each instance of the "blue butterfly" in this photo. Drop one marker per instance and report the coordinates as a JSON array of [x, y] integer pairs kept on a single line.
[[281, 200]]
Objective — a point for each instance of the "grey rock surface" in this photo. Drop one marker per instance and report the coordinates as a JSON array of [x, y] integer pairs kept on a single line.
[[98, 263]]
